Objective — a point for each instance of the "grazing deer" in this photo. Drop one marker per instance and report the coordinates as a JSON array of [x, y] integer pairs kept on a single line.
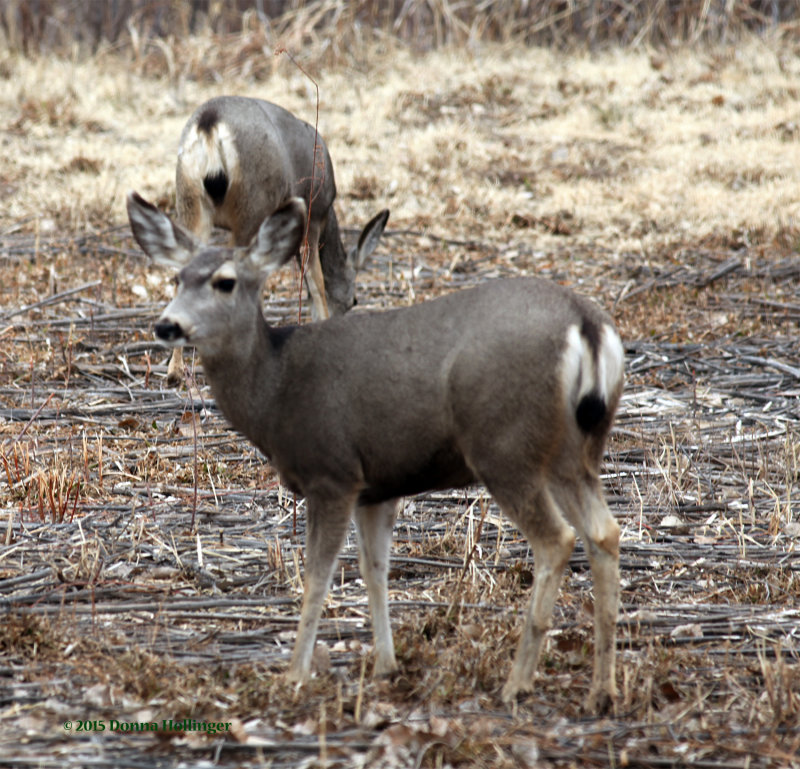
[[513, 384], [239, 160]]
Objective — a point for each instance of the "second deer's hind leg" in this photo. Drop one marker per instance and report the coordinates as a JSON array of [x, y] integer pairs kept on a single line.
[[315, 280], [552, 541], [175, 368], [374, 524]]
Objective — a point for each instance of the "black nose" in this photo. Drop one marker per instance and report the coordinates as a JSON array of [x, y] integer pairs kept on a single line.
[[168, 331]]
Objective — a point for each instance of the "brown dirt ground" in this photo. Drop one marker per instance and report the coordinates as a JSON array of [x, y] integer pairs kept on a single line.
[[666, 186]]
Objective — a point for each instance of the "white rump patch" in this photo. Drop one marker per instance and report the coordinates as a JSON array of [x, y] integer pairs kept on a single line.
[[610, 362], [207, 154], [578, 374], [576, 366]]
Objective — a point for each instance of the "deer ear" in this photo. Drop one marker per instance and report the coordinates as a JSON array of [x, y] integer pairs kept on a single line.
[[368, 239], [278, 239], [163, 240]]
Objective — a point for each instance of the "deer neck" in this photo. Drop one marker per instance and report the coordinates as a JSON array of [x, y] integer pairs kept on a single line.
[[243, 381]]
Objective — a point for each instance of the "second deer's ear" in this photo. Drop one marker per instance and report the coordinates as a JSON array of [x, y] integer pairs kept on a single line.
[[163, 240], [278, 238], [368, 239]]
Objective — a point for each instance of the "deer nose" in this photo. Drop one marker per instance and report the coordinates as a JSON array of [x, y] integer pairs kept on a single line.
[[168, 331]]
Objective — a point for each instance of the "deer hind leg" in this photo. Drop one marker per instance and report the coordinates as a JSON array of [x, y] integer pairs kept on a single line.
[[315, 281], [552, 541], [327, 524], [175, 368], [374, 525], [600, 534]]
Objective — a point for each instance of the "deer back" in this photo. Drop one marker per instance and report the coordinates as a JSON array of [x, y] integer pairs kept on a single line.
[[240, 159]]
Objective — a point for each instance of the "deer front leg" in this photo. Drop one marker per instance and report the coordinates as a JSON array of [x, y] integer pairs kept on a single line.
[[374, 524], [326, 527]]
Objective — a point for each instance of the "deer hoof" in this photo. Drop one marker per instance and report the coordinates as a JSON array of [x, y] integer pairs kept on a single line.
[[600, 702]]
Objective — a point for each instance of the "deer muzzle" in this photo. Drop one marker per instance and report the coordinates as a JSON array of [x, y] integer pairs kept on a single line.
[[170, 332]]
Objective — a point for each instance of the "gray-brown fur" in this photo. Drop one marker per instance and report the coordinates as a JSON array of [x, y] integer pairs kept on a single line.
[[280, 156], [239, 160], [480, 385]]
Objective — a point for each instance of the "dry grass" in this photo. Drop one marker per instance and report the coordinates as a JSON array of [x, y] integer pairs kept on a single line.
[[638, 153], [334, 28], [662, 182]]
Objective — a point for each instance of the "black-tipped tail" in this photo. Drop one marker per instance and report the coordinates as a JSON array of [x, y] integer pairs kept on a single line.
[[216, 185], [590, 412]]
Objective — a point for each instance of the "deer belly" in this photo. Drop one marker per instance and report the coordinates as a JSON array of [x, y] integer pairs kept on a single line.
[[442, 469]]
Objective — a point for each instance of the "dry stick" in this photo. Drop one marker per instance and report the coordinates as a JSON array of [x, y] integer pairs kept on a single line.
[[772, 363], [190, 382], [468, 561], [30, 421], [54, 299], [304, 261], [194, 466]]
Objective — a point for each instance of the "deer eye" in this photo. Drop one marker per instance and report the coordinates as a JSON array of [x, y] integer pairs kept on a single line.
[[226, 285]]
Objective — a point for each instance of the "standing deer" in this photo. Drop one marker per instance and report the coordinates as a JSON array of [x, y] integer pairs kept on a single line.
[[513, 384], [240, 159]]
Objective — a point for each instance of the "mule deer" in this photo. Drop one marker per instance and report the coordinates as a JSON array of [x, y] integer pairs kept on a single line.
[[240, 159], [513, 384]]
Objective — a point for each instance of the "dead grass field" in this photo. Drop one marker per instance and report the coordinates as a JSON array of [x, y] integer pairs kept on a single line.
[[666, 185]]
